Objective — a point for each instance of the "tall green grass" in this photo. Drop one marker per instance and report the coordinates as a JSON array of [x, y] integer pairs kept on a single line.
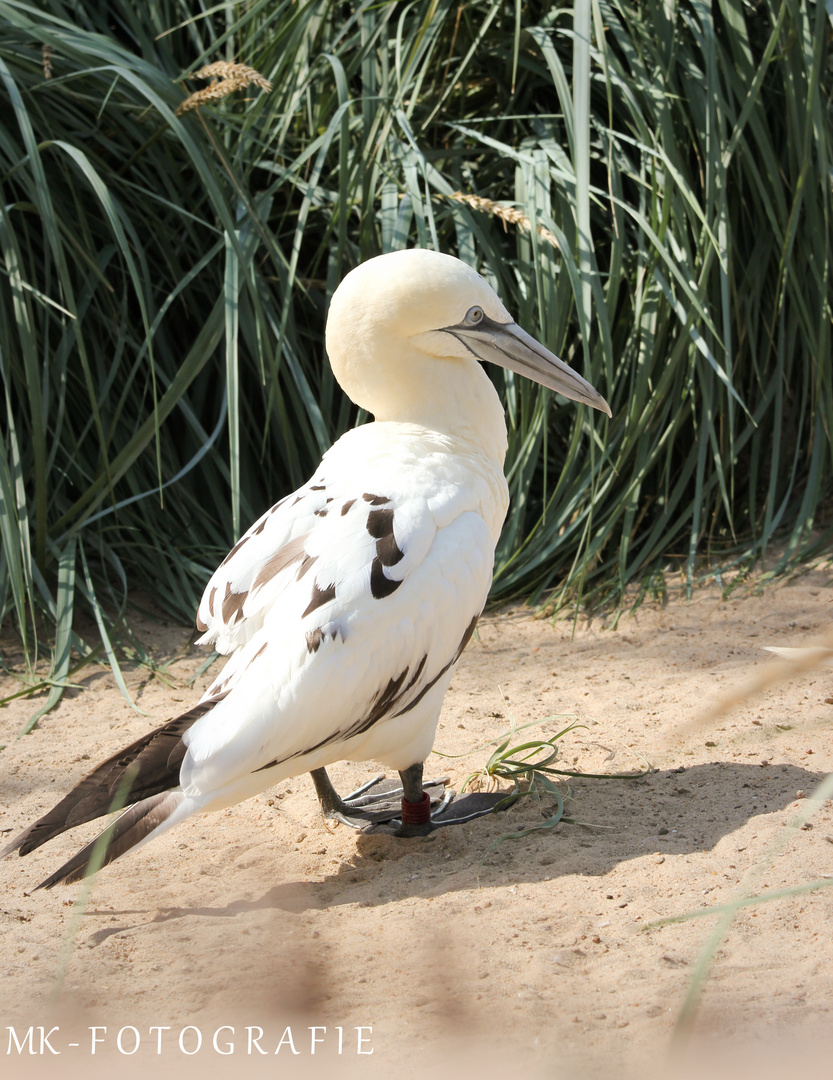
[[164, 280]]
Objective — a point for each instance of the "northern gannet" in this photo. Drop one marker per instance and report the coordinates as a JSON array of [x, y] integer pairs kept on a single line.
[[345, 607]]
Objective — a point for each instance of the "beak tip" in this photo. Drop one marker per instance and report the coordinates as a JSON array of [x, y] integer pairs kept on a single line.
[[595, 400]]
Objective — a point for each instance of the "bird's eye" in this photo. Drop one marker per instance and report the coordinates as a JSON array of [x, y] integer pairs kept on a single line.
[[474, 315]]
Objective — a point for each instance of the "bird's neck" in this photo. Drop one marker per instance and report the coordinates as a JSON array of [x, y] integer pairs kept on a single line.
[[457, 400]]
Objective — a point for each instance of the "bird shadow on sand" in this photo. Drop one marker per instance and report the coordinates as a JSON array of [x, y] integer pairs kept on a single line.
[[675, 812]]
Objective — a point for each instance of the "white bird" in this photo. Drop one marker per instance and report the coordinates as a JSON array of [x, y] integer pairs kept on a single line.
[[346, 606]]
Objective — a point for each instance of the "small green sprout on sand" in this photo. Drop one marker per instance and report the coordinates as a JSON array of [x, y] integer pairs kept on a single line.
[[528, 766], [531, 767]]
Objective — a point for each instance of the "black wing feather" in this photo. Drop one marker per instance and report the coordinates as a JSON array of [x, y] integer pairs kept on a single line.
[[150, 766], [124, 833]]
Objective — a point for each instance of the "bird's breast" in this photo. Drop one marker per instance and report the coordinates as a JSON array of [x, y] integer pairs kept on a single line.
[[406, 461]]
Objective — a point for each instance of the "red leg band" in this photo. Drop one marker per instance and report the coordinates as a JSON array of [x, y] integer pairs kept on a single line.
[[416, 813]]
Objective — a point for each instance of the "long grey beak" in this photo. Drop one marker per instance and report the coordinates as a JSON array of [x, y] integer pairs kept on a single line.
[[511, 347]]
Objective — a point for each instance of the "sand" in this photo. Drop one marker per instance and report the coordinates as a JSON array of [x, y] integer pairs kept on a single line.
[[545, 953]]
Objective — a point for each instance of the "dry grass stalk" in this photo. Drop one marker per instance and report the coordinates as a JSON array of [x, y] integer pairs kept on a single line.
[[221, 69], [46, 53], [226, 78], [507, 214], [794, 662]]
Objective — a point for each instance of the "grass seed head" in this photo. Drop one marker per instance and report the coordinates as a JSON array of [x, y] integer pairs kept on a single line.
[[226, 78]]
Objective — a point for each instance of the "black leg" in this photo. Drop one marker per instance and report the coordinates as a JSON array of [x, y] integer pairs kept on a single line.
[[331, 801], [407, 809], [360, 810], [412, 783]]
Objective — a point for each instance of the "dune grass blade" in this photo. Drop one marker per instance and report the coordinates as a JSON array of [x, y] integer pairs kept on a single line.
[[726, 912], [82, 902], [646, 185], [64, 608], [101, 622]]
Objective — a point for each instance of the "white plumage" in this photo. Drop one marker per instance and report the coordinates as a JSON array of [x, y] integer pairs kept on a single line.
[[345, 607], [302, 680]]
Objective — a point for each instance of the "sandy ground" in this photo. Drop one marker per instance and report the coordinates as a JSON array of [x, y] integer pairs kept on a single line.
[[542, 953]]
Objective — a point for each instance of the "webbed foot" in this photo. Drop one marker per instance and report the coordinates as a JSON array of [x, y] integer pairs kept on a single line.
[[412, 809]]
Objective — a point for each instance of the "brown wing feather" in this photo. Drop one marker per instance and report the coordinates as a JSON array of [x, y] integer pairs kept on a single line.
[[153, 762], [124, 833]]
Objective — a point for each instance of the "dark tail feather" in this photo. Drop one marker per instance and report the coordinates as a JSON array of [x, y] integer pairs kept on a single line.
[[136, 823], [146, 768]]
